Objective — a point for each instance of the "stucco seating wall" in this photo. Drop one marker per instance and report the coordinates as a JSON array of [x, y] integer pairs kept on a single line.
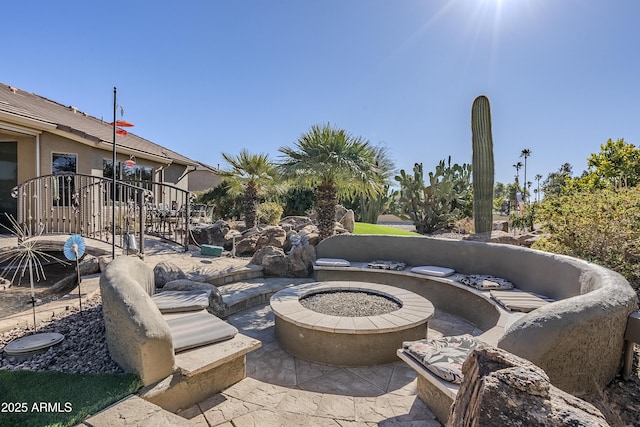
[[578, 339], [141, 340]]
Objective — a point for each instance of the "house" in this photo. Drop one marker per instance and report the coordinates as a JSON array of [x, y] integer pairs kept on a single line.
[[40, 137]]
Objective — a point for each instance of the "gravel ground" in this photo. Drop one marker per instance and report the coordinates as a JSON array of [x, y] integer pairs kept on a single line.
[[349, 304], [84, 349]]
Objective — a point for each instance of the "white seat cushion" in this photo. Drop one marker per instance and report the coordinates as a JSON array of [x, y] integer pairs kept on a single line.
[[180, 301], [198, 329], [333, 262], [432, 270], [516, 300]]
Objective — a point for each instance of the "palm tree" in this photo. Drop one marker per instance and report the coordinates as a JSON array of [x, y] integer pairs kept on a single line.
[[538, 177], [253, 172], [525, 153], [518, 166], [333, 161], [371, 206]]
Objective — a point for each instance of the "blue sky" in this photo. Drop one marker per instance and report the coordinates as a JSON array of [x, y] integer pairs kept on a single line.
[[202, 77]]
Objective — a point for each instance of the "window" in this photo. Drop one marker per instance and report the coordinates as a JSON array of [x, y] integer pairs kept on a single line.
[[124, 173], [64, 186], [140, 176]]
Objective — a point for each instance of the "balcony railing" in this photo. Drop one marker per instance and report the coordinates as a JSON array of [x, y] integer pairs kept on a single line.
[[91, 206]]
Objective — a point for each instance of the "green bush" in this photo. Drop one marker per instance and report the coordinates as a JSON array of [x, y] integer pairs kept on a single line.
[[526, 219], [269, 213], [601, 226]]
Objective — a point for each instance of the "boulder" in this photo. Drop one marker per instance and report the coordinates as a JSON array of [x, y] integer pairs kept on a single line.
[[340, 211], [495, 236], [301, 261], [246, 245], [271, 236], [501, 225], [166, 271], [500, 388], [276, 263], [295, 223], [267, 251], [312, 234], [216, 305], [212, 234], [348, 221], [528, 239], [338, 228]]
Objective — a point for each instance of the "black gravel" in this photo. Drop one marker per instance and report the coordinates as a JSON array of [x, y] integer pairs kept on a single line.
[[349, 304]]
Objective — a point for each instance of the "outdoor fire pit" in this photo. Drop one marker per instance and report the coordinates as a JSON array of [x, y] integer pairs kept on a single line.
[[365, 337]]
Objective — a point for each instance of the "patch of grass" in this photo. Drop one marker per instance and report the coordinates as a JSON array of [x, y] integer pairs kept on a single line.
[[364, 228], [58, 399]]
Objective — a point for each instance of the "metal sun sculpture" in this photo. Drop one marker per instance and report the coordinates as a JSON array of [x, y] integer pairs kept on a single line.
[[73, 250], [26, 257]]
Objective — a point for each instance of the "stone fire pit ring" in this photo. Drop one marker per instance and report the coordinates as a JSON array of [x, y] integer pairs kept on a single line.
[[348, 341]]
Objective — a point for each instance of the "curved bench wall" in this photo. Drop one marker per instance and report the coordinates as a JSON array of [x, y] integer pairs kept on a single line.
[[527, 268], [577, 340], [138, 337]]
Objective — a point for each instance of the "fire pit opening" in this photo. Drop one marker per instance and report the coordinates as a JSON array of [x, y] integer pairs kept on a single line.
[[350, 303]]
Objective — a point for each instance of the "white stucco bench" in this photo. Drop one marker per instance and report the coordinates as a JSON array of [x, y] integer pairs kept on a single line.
[[578, 339], [181, 358]]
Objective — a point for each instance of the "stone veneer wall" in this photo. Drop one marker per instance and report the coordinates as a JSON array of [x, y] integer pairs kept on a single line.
[[577, 340]]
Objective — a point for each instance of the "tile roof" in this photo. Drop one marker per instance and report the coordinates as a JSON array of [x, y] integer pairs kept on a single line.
[[46, 114]]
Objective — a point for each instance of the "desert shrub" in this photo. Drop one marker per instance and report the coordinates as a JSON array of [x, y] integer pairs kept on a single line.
[[269, 213], [526, 219], [298, 201], [437, 205], [226, 204], [601, 226]]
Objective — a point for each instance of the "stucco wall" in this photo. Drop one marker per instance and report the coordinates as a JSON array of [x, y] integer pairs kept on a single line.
[[578, 340]]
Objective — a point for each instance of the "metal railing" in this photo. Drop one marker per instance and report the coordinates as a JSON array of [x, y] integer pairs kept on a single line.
[[90, 206]]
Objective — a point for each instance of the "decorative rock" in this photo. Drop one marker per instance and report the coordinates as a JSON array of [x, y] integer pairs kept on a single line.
[[339, 229], [212, 234], [501, 226], [271, 236], [493, 237], [340, 211], [165, 272], [276, 263], [500, 388], [528, 239], [301, 261], [246, 245], [216, 305], [84, 349], [295, 223], [348, 221], [313, 237], [267, 251]]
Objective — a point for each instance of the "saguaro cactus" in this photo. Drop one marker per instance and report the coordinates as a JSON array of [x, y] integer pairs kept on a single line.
[[482, 164]]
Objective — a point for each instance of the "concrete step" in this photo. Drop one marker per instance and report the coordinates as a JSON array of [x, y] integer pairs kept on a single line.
[[244, 294], [229, 275]]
